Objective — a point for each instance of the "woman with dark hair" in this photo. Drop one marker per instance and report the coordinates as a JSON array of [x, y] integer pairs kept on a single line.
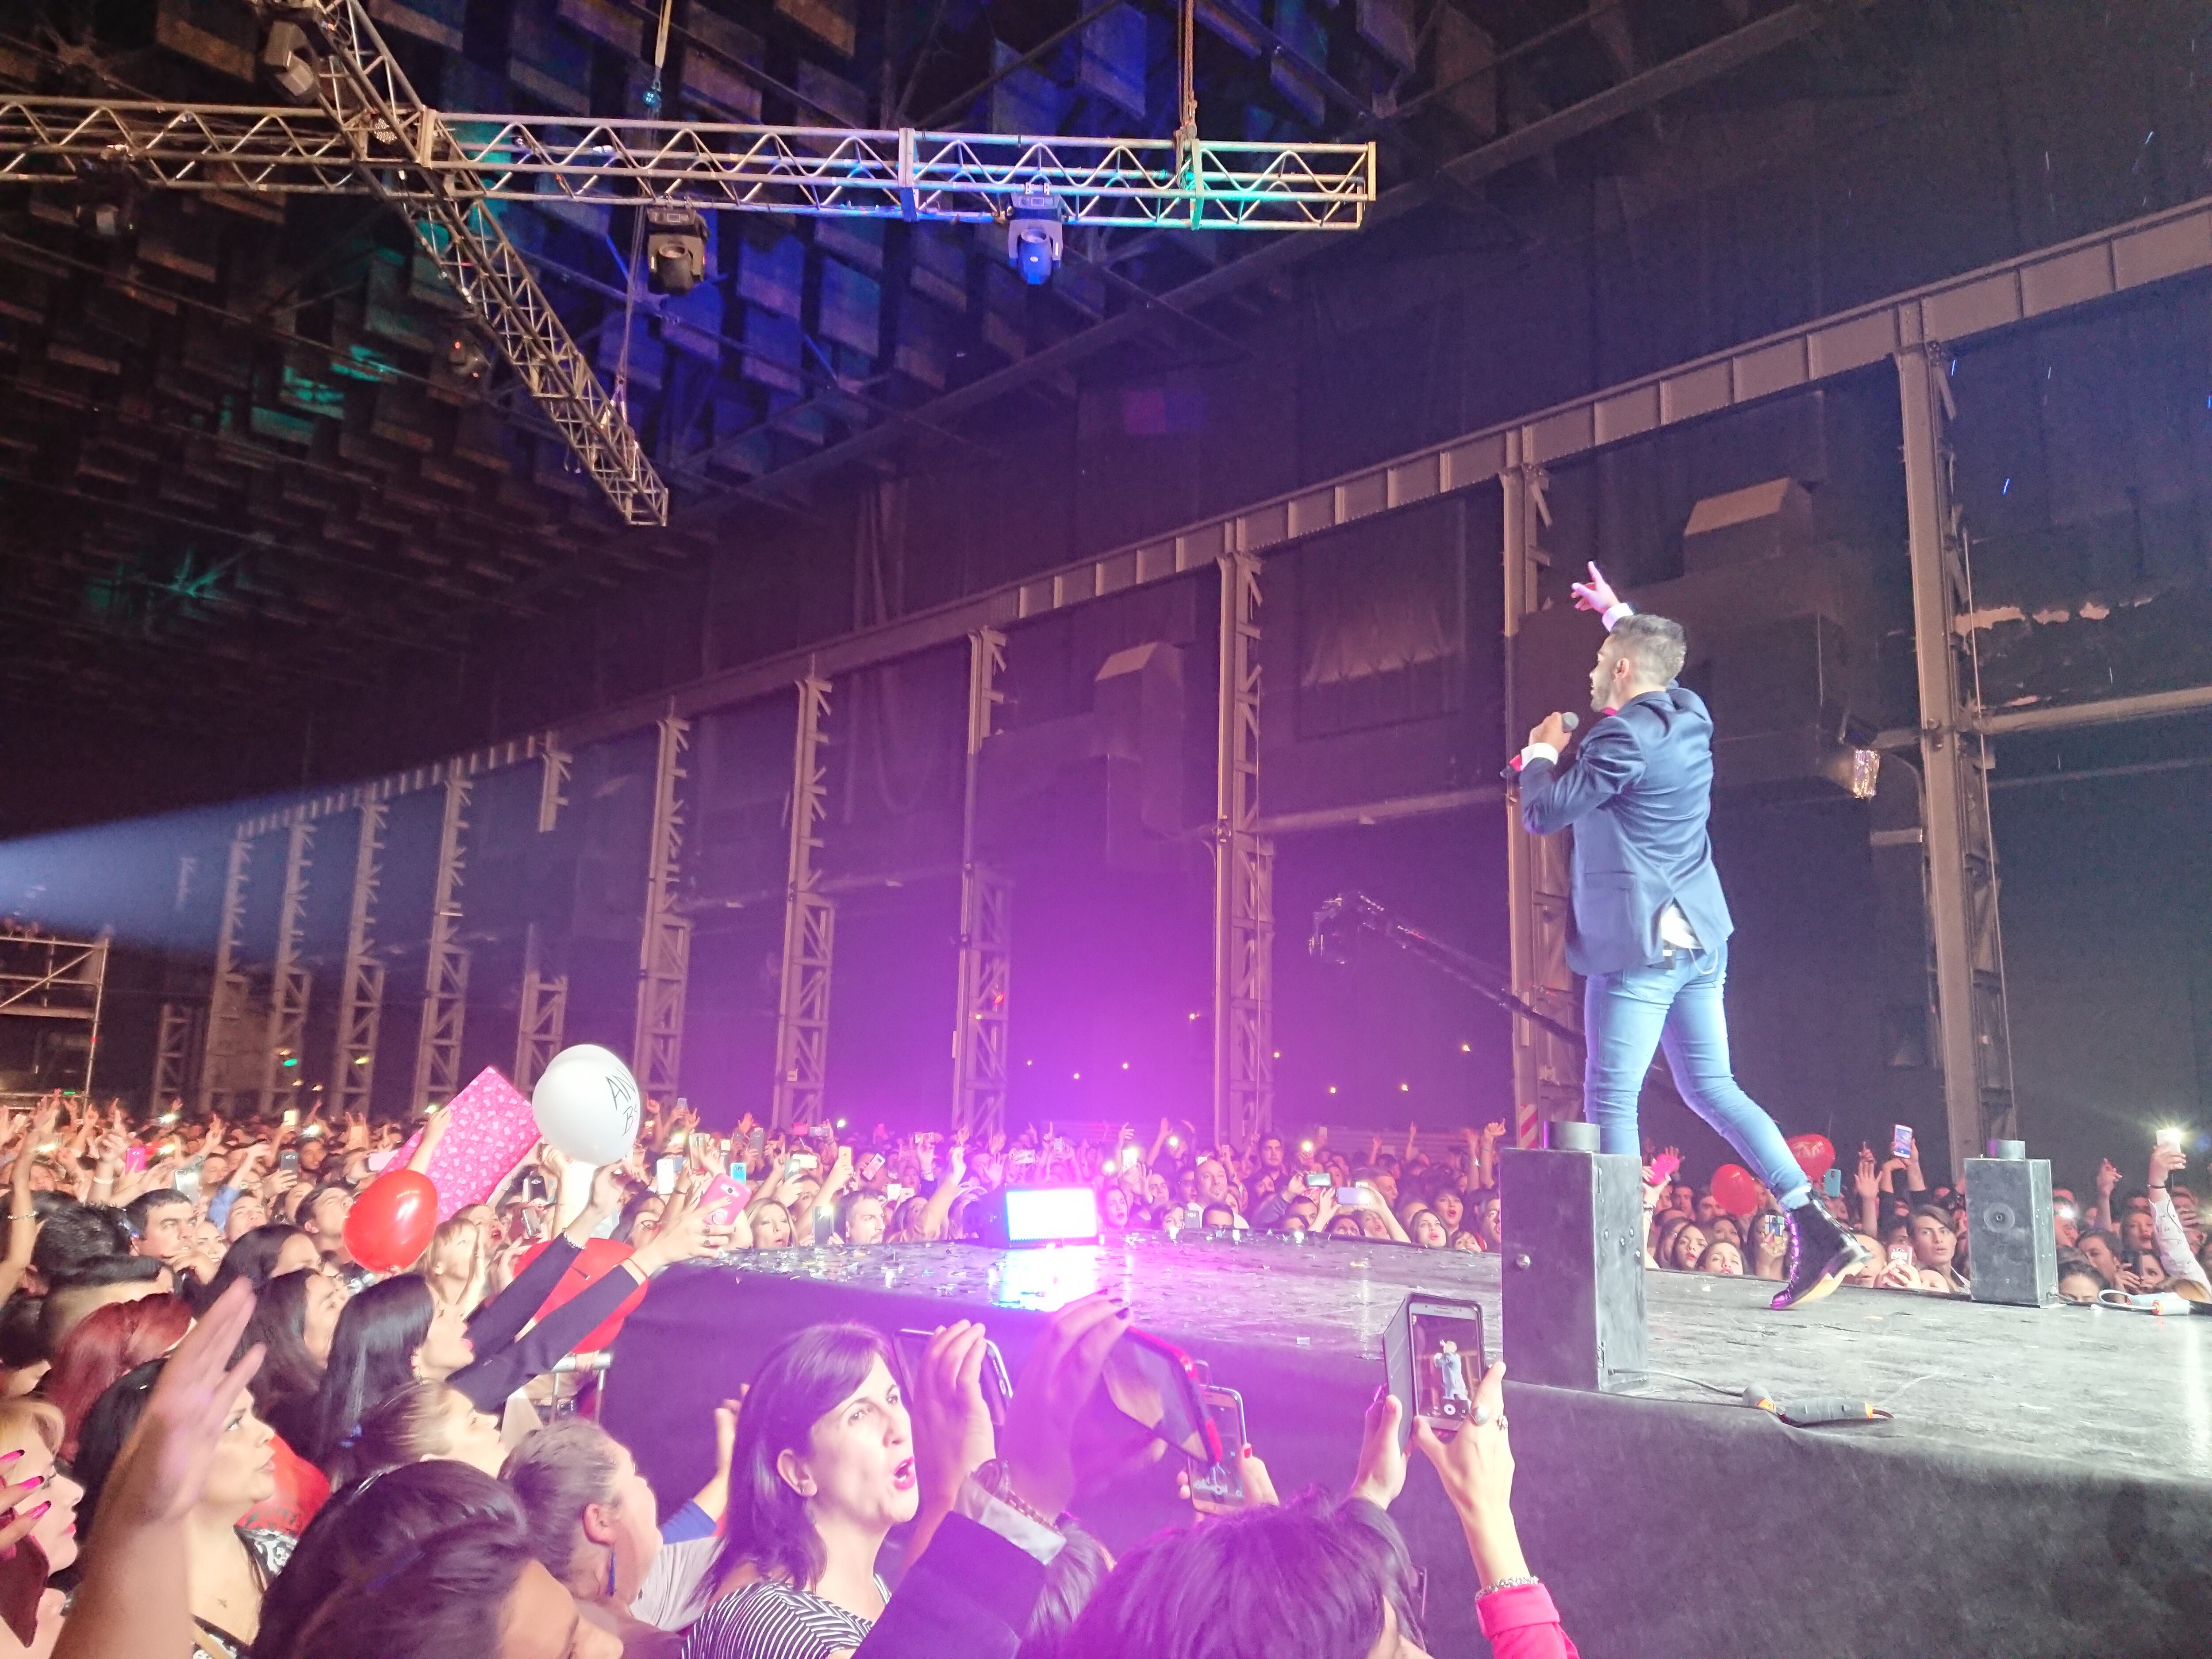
[[822, 1470], [228, 1567], [591, 1523], [399, 1331], [294, 1320], [379, 1521], [263, 1253], [109, 1341]]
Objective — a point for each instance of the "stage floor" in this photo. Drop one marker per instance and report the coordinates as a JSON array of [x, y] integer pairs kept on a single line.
[[1959, 1375]]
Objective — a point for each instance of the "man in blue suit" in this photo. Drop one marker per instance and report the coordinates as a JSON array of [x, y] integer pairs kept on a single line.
[[1650, 925]]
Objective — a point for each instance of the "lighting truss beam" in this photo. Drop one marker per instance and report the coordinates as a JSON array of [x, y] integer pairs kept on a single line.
[[434, 158], [172, 1053], [446, 972], [1243, 877], [408, 153], [986, 961], [664, 964], [360, 997], [810, 923], [289, 979]]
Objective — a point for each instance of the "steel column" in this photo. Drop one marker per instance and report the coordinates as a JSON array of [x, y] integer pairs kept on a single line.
[[985, 960], [227, 995], [172, 1054], [360, 995], [1243, 875], [290, 981], [810, 921], [664, 964], [446, 972], [1973, 1038], [544, 1013], [553, 778], [1546, 1073]]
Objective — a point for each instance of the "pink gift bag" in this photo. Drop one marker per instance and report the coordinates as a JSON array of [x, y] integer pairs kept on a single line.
[[492, 1128]]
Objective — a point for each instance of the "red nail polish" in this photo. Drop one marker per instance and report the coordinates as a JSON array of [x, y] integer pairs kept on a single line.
[[41, 1510], [9, 1458], [1245, 1452]]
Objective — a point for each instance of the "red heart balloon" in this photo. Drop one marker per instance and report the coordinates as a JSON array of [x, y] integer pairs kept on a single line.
[[1815, 1153], [599, 1258], [391, 1223], [1736, 1188]]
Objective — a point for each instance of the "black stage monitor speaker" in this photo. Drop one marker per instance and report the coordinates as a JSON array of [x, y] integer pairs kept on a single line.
[[1573, 1268], [2011, 1250]]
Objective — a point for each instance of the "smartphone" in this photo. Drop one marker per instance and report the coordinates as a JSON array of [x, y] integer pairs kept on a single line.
[[758, 1139], [1151, 1383], [1318, 1177], [664, 1171], [1833, 1182], [1194, 1215], [1220, 1483], [1664, 1165], [188, 1180], [2170, 1138], [288, 1159], [894, 1192], [1433, 1360], [1900, 1255], [997, 1386], [679, 1143], [134, 1159], [1900, 1141], [1353, 1198], [291, 1117], [798, 1163], [724, 1201], [533, 1223], [869, 1165]]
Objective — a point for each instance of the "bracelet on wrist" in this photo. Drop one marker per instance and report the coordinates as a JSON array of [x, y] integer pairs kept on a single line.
[[1520, 1581]]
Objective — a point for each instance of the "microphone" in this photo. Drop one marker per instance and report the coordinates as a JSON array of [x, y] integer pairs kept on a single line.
[[1512, 768]]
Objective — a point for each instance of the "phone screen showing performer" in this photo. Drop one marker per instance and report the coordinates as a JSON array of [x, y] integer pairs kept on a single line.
[[1433, 1359], [1221, 1483]]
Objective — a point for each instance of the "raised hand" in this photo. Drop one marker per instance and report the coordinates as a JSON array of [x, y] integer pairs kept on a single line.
[[952, 1432], [1595, 594], [1866, 1182], [1382, 1472], [1062, 1371]]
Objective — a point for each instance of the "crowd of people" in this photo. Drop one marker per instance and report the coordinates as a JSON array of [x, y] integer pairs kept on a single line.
[[304, 1457], [271, 1451]]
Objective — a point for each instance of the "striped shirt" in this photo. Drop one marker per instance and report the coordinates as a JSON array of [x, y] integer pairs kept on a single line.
[[768, 1620]]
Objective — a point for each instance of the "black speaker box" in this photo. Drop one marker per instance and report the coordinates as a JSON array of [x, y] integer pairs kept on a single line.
[[1573, 1268], [2012, 1252]]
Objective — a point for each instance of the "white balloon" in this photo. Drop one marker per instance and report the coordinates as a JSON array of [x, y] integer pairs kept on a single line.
[[587, 1105]]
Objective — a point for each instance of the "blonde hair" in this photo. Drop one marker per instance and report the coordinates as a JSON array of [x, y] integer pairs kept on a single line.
[[21, 1418], [471, 1291]]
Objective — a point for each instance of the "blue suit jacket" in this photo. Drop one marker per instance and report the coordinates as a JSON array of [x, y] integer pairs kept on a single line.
[[1637, 790]]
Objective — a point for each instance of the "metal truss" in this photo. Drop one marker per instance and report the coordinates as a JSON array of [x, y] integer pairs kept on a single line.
[[427, 157], [1974, 1036], [810, 924], [290, 980], [1243, 877], [360, 997], [42, 977], [406, 152], [987, 899], [543, 1015], [446, 972], [664, 964], [226, 994], [556, 763], [172, 1052], [1548, 1069]]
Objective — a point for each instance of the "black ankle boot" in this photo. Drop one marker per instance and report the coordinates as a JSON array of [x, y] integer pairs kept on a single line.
[[1821, 1255]]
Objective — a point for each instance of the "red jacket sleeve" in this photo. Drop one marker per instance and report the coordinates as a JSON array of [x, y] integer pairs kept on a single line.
[[1522, 1624]]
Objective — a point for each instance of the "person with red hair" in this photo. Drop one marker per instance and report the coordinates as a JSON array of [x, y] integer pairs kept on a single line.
[[108, 1342]]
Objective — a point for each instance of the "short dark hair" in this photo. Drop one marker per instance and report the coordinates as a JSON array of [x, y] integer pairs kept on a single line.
[[443, 1594], [1302, 1578], [75, 1237], [362, 1527], [1656, 645], [305, 1211], [145, 1204], [805, 1376]]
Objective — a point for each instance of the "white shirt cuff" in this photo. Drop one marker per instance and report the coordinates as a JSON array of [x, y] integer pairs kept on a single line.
[[1539, 751], [1615, 612], [1023, 1532]]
